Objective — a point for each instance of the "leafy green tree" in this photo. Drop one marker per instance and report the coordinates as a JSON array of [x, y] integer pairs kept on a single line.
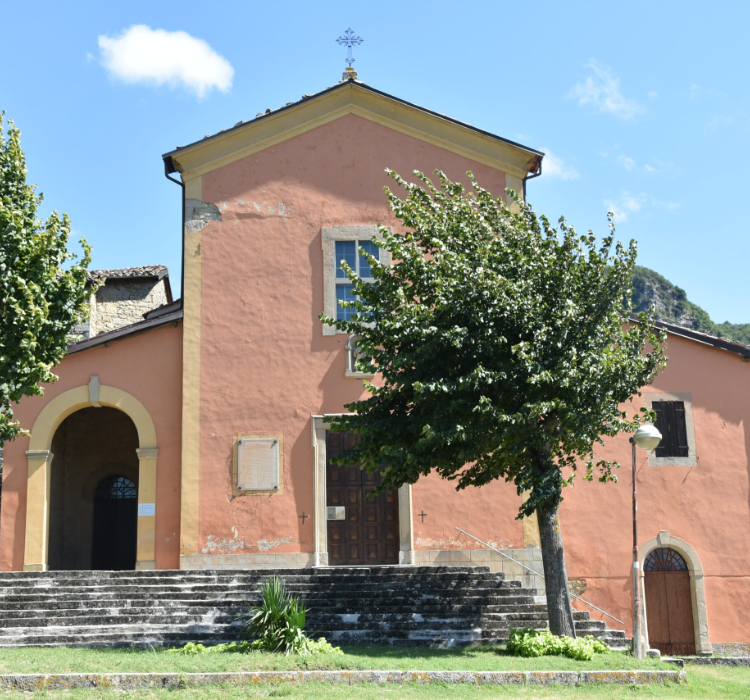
[[504, 349], [41, 298]]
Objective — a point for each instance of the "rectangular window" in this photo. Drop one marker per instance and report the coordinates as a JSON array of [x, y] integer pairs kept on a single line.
[[351, 252], [347, 243], [671, 423]]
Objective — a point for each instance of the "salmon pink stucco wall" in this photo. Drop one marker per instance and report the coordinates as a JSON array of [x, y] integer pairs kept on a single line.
[[149, 367], [707, 505], [266, 366]]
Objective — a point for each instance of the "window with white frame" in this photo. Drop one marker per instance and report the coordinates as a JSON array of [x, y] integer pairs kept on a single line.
[[348, 244], [352, 252]]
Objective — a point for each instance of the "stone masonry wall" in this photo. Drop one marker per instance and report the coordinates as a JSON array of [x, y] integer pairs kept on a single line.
[[121, 302]]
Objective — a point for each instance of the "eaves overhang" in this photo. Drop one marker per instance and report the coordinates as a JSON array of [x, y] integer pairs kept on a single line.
[[148, 324], [352, 97], [698, 337]]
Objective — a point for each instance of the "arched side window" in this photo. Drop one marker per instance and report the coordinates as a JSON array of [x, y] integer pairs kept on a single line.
[[115, 488], [664, 559]]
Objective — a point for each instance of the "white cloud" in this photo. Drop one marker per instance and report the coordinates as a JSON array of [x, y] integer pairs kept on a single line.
[[698, 92], [652, 94], [656, 167], [554, 167], [144, 55], [603, 91], [631, 203], [626, 162]]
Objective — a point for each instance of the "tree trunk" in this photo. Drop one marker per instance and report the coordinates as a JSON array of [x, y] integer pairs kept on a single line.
[[555, 574]]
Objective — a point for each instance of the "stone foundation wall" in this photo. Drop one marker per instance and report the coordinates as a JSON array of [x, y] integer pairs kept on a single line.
[[528, 556], [731, 648], [230, 562]]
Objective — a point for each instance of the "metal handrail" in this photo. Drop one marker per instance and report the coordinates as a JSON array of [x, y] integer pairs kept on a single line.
[[536, 573]]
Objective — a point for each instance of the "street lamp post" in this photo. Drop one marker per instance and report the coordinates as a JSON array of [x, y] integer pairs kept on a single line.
[[647, 437]]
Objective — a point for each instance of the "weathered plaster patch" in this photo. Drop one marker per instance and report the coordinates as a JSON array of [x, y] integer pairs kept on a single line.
[[265, 545], [453, 543], [214, 545], [198, 214]]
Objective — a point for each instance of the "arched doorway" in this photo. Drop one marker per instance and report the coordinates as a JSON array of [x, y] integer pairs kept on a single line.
[[115, 524], [93, 491], [669, 607]]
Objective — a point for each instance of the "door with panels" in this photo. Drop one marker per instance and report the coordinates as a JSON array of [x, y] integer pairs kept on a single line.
[[362, 527], [669, 606]]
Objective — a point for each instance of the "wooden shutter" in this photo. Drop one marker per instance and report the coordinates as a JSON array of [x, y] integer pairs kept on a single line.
[[670, 421]]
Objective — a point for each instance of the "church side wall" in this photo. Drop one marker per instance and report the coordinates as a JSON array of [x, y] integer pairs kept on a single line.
[[147, 366], [706, 505]]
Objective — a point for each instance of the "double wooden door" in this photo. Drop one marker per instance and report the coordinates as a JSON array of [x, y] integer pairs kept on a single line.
[[368, 531], [669, 611]]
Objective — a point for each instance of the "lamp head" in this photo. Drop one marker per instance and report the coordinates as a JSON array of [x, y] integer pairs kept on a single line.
[[647, 436]]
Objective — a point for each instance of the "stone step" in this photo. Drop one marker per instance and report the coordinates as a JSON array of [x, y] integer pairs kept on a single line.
[[417, 606], [335, 573], [343, 591]]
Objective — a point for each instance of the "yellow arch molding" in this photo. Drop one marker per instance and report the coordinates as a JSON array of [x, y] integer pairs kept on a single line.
[[40, 458]]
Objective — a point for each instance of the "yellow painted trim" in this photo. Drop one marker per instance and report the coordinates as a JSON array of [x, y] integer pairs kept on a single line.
[[531, 536], [191, 379], [217, 152], [245, 492], [40, 468], [146, 541]]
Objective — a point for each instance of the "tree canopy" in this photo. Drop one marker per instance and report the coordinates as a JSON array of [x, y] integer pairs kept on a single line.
[[504, 347], [41, 297]]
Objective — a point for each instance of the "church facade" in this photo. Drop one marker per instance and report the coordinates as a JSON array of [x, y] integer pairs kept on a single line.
[[197, 437]]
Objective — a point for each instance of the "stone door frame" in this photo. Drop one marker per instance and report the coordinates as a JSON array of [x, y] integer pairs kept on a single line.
[[320, 426], [39, 455], [697, 587]]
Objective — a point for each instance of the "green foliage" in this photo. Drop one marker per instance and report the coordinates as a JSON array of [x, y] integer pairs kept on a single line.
[[313, 647], [42, 297], [528, 641], [278, 623], [502, 343], [672, 304]]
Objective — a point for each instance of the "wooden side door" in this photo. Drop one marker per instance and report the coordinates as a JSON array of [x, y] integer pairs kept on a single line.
[[369, 533], [669, 612]]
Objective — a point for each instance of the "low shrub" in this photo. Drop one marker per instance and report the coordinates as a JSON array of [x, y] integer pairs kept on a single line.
[[528, 641], [314, 646]]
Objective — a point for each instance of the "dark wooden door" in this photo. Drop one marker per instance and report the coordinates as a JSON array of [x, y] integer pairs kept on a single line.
[[669, 612], [115, 525], [369, 532]]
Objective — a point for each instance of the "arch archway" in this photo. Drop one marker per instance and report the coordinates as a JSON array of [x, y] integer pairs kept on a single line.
[[40, 459], [697, 588]]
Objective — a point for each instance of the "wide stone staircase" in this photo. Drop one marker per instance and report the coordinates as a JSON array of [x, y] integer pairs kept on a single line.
[[407, 606]]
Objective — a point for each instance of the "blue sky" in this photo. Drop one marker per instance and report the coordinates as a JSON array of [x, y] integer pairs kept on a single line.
[[643, 107]]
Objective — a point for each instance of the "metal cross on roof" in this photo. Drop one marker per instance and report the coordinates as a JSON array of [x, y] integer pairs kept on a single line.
[[349, 39]]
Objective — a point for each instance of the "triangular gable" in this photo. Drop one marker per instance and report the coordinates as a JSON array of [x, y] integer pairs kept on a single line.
[[351, 97]]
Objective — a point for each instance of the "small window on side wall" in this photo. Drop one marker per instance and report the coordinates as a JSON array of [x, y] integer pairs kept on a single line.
[[674, 420], [670, 421]]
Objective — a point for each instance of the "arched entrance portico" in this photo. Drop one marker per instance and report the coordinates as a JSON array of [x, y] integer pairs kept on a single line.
[[40, 460]]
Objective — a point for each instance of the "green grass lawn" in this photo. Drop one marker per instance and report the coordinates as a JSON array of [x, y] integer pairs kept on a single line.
[[63, 660], [703, 684]]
